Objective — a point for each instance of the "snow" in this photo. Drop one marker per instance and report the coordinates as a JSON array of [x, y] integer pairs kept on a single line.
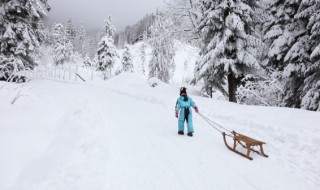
[[122, 134], [315, 52], [185, 59]]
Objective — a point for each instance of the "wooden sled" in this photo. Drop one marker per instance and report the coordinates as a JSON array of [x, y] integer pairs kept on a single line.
[[246, 142]]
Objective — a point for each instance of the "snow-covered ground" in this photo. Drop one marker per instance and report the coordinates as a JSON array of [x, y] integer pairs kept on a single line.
[[122, 134]]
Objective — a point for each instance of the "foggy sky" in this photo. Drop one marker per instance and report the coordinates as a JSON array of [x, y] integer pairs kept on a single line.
[[93, 12]]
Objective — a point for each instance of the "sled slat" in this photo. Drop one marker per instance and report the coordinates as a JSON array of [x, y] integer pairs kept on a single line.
[[247, 140]]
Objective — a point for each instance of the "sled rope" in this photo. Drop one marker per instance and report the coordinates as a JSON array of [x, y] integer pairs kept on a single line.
[[214, 124], [238, 139]]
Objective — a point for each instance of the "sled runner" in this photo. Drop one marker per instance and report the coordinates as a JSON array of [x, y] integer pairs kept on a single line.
[[246, 142]]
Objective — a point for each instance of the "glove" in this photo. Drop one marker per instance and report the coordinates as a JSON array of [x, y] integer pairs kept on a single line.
[[197, 110], [177, 115]]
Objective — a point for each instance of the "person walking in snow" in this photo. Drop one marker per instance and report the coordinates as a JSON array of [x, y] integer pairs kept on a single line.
[[183, 105]]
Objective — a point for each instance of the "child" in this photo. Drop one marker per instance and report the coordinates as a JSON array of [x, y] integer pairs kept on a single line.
[[184, 104]]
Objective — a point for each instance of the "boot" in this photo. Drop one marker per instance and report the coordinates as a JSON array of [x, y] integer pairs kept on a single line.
[[190, 134], [180, 132]]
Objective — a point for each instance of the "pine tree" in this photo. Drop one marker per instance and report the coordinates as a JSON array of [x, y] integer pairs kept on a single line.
[[280, 31], [127, 59], [63, 47], [282, 34], [20, 33], [70, 31], [230, 43], [309, 11], [107, 54], [162, 62], [109, 29], [293, 32]]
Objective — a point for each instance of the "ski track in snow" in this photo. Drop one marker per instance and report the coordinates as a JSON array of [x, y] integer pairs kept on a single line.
[[121, 134]]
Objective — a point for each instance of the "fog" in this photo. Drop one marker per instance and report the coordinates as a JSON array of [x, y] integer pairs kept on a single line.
[[93, 12]]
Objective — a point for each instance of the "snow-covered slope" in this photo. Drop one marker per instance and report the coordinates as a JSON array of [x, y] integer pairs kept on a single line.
[[122, 134]]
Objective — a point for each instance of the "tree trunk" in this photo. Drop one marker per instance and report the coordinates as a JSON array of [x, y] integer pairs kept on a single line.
[[232, 85]]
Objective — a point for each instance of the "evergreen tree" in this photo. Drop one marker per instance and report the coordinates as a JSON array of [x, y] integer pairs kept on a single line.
[[309, 11], [162, 62], [280, 31], [63, 47], [107, 54], [230, 43], [293, 35], [20, 33], [70, 31], [283, 34], [109, 29], [127, 59]]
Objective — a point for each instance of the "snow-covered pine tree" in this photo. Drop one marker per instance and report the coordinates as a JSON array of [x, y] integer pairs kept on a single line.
[[63, 47], [309, 11], [288, 52], [127, 59], [109, 29], [20, 34], [302, 60], [230, 43], [162, 62], [292, 33], [281, 33], [58, 33], [70, 31], [107, 54]]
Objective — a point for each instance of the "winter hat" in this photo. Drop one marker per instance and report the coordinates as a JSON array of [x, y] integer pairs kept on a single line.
[[183, 90]]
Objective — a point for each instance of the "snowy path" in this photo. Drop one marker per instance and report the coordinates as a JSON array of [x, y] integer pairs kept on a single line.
[[103, 136]]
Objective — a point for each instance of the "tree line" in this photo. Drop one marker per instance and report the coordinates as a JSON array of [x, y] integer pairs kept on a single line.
[[254, 52]]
